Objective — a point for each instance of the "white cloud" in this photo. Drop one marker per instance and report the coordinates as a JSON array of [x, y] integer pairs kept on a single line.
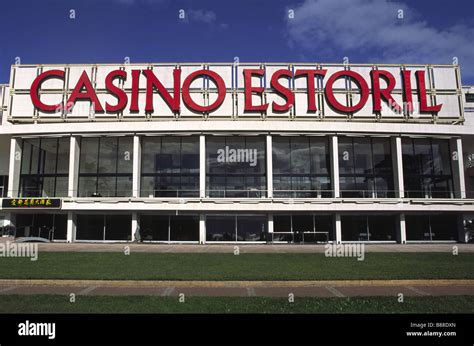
[[202, 16], [372, 28]]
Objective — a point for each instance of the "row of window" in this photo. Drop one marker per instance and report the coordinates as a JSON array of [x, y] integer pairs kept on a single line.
[[236, 167], [287, 228]]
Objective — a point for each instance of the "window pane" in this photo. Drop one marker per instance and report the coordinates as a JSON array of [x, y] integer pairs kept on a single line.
[[49, 147], [63, 155], [118, 227], [89, 155], [151, 146], [319, 155], [220, 228], [154, 227], [125, 155], [184, 228], [346, 156], [108, 155], [87, 186], [281, 154], [251, 228]]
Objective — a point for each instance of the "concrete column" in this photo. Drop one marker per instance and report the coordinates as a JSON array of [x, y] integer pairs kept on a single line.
[[269, 155], [458, 168], [71, 227], [402, 230], [334, 166], [74, 155], [14, 168], [337, 228], [397, 163], [135, 225], [270, 228], [137, 155], [202, 229], [202, 166]]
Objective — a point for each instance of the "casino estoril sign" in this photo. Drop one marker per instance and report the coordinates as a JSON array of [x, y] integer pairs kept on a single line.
[[84, 90]]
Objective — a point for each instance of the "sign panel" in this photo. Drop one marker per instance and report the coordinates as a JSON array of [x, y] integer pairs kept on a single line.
[[31, 203], [273, 91]]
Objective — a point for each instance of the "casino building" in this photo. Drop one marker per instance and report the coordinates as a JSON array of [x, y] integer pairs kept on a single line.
[[209, 153]]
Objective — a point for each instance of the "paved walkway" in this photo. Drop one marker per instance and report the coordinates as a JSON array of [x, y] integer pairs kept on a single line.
[[339, 288], [243, 248]]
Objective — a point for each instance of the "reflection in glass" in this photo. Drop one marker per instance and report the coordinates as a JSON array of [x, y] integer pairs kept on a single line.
[[106, 167], [44, 167], [365, 167], [235, 166], [170, 166], [301, 166], [427, 171]]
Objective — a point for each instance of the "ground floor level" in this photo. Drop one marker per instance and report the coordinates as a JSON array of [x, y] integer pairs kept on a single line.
[[212, 227]]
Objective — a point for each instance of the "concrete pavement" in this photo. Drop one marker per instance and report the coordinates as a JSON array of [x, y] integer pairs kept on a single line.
[[331, 288]]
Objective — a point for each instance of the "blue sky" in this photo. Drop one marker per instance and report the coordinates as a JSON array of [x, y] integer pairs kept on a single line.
[[107, 31]]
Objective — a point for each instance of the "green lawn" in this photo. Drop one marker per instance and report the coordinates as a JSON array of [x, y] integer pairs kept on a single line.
[[152, 304], [218, 266]]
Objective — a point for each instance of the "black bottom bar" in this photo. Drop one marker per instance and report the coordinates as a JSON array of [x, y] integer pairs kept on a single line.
[[241, 329]]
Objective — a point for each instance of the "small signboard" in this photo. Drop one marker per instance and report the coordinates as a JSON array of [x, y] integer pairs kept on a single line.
[[31, 203]]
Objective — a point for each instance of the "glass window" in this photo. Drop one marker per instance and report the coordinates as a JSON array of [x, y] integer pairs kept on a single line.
[[427, 170], [300, 167], [220, 228], [170, 166], [44, 167], [306, 228], [365, 167], [235, 166], [106, 167], [431, 227]]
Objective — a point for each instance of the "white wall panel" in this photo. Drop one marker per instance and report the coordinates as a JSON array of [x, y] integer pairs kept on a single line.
[[450, 108], [21, 106], [51, 99], [24, 77], [227, 107], [444, 78]]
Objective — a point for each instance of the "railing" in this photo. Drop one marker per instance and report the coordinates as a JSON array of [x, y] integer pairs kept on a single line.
[[249, 193]]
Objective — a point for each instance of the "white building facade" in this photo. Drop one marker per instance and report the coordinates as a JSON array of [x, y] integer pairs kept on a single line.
[[207, 153]]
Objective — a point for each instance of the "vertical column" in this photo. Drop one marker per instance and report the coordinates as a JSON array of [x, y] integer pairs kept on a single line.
[[337, 228], [269, 149], [334, 166], [71, 227], [202, 166], [270, 228], [202, 228], [74, 154], [397, 163], [458, 168], [135, 225], [14, 168], [137, 154], [402, 230]]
